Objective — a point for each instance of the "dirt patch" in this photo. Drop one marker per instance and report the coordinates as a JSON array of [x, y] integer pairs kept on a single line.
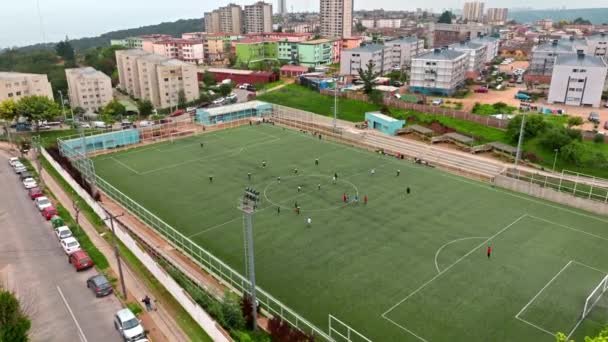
[[440, 129]]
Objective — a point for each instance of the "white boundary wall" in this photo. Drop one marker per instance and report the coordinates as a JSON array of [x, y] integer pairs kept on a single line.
[[550, 194], [197, 313]]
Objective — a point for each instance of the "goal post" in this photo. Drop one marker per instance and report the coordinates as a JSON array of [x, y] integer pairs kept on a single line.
[[594, 296]]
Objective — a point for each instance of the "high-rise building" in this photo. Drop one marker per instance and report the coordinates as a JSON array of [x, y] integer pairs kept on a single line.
[[336, 18], [225, 19], [88, 88], [497, 16], [258, 18], [15, 85], [282, 7], [473, 11], [156, 78]]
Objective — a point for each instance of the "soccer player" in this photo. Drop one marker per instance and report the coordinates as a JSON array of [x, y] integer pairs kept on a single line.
[[317, 162], [336, 175], [356, 198], [278, 210], [372, 172], [319, 186], [249, 175], [296, 205], [202, 145], [295, 171], [334, 180], [299, 188], [279, 180], [344, 197], [407, 190], [298, 210], [309, 221], [398, 172], [263, 163], [210, 179], [489, 251], [365, 199]]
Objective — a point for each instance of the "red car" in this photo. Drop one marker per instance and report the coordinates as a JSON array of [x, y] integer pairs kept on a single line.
[[49, 212], [35, 193], [177, 113], [482, 90], [81, 260]]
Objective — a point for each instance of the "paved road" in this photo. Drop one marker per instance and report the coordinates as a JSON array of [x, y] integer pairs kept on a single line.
[[54, 294]]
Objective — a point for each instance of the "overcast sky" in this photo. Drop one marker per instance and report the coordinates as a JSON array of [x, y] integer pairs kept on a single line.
[[20, 25]]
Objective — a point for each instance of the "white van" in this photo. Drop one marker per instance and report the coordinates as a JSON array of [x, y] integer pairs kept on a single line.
[[100, 124]]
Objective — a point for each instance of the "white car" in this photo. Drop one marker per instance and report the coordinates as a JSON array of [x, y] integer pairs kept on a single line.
[[13, 160], [145, 123], [63, 232], [84, 125], [70, 245], [19, 168], [244, 86], [42, 202], [437, 102], [29, 183], [219, 101], [129, 326]]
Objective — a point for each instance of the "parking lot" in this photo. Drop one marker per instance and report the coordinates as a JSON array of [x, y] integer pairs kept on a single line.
[[35, 267]]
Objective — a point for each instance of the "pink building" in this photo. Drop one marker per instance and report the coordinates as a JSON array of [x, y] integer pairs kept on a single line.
[[293, 70], [187, 50], [290, 37], [351, 42]]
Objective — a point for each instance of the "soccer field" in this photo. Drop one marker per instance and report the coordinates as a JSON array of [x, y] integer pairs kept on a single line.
[[403, 267]]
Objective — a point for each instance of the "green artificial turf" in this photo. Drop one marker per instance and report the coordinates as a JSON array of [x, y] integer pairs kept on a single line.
[[401, 268]]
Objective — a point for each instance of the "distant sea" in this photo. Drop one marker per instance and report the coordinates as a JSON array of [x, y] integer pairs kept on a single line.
[[596, 16]]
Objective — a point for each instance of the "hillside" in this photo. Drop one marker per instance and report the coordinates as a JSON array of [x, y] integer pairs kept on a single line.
[[175, 29], [595, 15]]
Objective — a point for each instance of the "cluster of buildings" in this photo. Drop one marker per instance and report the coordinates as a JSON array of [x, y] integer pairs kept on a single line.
[[473, 11], [255, 18]]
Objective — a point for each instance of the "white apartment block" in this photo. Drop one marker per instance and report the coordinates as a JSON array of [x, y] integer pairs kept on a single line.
[[381, 23], [497, 16], [225, 19], [352, 60], [88, 88], [187, 50], [492, 46], [404, 49], [258, 18], [440, 71], [336, 18], [15, 85], [476, 54], [578, 80], [597, 45], [156, 78], [473, 11], [543, 55]]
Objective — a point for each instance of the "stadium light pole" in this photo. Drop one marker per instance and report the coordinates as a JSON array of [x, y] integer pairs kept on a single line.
[[335, 102], [520, 141], [248, 205], [62, 105], [555, 159]]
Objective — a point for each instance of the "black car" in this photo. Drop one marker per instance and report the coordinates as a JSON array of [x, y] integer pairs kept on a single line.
[[100, 285], [25, 174]]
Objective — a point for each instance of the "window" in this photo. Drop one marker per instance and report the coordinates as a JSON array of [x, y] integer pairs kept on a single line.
[[10, 94], [18, 93], [166, 80]]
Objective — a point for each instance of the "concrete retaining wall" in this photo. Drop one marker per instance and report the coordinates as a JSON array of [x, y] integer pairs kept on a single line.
[[550, 194]]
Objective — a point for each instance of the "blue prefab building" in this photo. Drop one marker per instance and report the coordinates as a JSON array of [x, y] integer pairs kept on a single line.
[[104, 141], [239, 111], [383, 123]]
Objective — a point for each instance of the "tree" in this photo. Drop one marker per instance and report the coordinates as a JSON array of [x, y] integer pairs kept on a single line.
[[208, 78], [65, 50], [445, 18], [112, 111], [359, 27], [14, 324], [8, 110], [376, 97], [181, 99], [574, 121], [145, 107], [573, 152], [37, 108], [225, 89], [535, 125], [581, 21], [368, 76], [555, 138]]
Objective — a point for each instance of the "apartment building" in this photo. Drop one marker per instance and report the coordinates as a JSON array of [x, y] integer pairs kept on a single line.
[[544, 55], [476, 57], [578, 79], [492, 46], [497, 16], [252, 51], [88, 88], [404, 49], [597, 45], [15, 85], [282, 7], [156, 78], [473, 11], [225, 19], [258, 17], [187, 50], [218, 45], [441, 71], [441, 35], [336, 18], [353, 60], [318, 52], [381, 23], [140, 42]]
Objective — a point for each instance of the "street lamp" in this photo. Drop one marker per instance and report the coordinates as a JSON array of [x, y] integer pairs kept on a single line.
[[248, 205], [555, 159]]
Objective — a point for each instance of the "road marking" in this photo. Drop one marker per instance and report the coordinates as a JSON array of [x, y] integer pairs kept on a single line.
[[81, 335]]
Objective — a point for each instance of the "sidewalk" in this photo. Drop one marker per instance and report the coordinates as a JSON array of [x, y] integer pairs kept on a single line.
[[160, 324]]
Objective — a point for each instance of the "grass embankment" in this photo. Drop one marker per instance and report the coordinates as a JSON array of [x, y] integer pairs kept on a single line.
[[185, 321]]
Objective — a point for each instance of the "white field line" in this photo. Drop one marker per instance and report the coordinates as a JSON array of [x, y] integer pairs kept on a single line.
[[543, 289], [580, 320], [81, 335], [590, 267], [451, 242], [570, 228], [405, 329], [536, 326], [126, 166], [454, 264]]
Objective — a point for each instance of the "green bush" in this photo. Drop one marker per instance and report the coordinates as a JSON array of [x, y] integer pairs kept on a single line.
[[135, 308], [555, 138], [14, 323], [535, 125], [598, 138]]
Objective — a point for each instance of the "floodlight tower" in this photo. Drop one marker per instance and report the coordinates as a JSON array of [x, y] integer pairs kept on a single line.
[[248, 205]]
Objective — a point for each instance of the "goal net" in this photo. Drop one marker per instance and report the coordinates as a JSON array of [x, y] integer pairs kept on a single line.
[[594, 297]]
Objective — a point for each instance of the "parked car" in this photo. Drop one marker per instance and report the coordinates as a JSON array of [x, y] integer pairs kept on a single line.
[[42, 202], [397, 84], [101, 124], [70, 245], [145, 123], [522, 96], [232, 98], [482, 90], [24, 175], [29, 183], [19, 168], [437, 102], [84, 125], [63, 232], [245, 86], [81, 261], [219, 101], [35, 193], [126, 124], [177, 113], [49, 212], [250, 88], [594, 117], [13, 160], [128, 325], [99, 284]]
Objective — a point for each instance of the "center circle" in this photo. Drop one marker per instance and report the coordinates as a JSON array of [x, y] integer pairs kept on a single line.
[[284, 193]]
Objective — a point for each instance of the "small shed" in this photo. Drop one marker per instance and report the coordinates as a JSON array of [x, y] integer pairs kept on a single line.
[[293, 70], [383, 123], [239, 111]]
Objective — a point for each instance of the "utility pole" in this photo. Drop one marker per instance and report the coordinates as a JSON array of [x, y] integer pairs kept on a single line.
[[520, 141], [335, 102], [62, 105], [116, 252], [36, 143], [248, 205]]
